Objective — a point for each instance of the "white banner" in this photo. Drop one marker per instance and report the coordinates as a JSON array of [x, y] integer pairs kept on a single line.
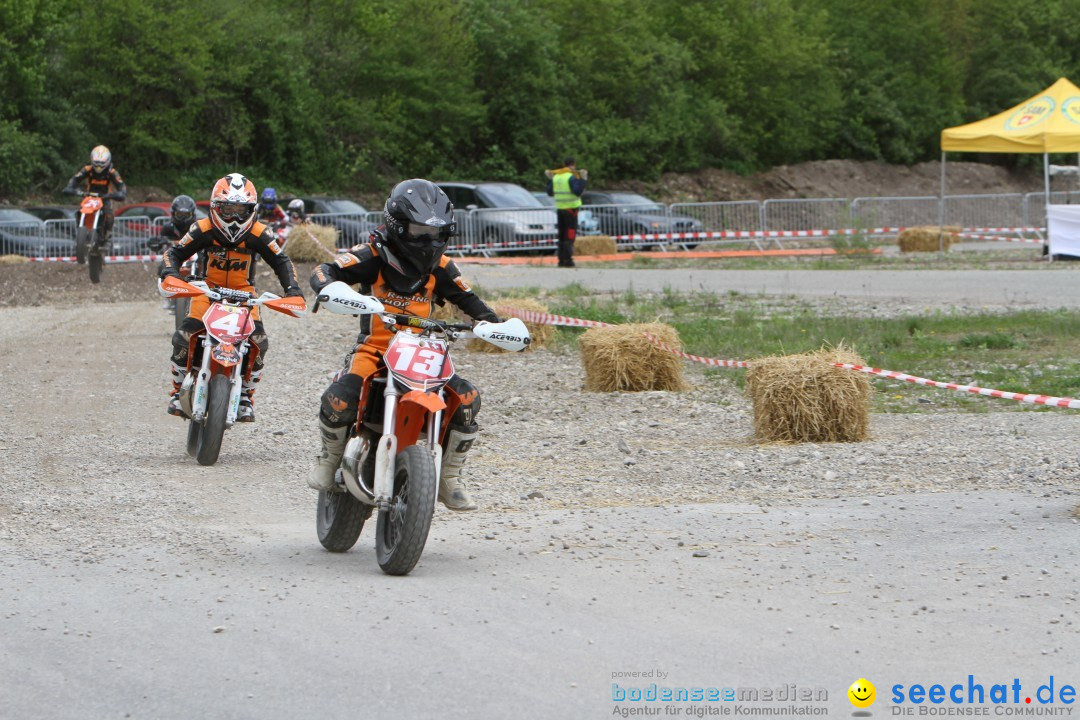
[[1063, 223]]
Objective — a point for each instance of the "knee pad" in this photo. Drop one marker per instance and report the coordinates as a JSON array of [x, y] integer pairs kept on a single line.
[[341, 401], [465, 414]]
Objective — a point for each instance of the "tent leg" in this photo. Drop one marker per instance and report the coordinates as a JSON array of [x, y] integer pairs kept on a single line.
[[941, 211]]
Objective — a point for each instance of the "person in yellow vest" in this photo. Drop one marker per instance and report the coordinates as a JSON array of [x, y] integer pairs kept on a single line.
[[566, 185]]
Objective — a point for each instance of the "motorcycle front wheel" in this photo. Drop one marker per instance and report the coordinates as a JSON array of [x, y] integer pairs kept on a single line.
[[82, 240], [339, 518], [194, 431], [213, 428], [402, 530]]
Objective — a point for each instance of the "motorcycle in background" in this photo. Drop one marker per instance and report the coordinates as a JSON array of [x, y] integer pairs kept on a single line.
[[90, 243], [217, 359], [393, 458]]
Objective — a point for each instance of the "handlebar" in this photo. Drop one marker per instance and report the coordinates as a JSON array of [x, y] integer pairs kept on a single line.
[[452, 330]]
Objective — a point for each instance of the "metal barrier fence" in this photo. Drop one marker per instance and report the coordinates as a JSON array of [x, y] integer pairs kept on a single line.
[[489, 231]]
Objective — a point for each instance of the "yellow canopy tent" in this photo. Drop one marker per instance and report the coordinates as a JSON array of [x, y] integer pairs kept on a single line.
[[1045, 123]]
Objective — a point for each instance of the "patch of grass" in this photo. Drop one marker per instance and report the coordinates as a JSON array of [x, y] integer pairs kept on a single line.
[[1026, 351]]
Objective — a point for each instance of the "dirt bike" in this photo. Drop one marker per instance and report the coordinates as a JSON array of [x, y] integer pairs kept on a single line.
[[393, 458], [90, 243], [210, 392]]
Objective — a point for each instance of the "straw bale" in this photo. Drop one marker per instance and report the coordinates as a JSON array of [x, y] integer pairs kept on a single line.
[[541, 334], [13, 259], [804, 398], [621, 358], [924, 238], [311, 242], [594, 245]]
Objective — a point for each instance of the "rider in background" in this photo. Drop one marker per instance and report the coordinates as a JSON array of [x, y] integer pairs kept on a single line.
[[228, 242], [270, 213], [297, 213], [403, 266], [102, 178], [181, 216]]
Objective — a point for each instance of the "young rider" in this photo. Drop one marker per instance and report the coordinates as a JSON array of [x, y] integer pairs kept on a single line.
[[270, 213], [228, 242], [181, 216], [403, 266], [102, 178]]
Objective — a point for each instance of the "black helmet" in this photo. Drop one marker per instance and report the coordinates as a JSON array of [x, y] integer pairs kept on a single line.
[[419, 222], [182, 212]]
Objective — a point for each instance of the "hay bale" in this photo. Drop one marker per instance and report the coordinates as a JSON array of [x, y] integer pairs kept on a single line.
[[541, 334], [925, 238], [594, 245], [311, 242], [621, 358], [804, 398], [13, 259]]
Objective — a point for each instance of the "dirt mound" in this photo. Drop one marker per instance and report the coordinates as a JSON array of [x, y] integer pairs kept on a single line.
[[836, 179]]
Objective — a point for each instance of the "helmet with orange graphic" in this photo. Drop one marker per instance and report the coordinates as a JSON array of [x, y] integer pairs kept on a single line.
[[232, 207], [100, 159]]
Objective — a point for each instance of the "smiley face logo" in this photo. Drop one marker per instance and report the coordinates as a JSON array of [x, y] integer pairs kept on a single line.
[[862, 693]]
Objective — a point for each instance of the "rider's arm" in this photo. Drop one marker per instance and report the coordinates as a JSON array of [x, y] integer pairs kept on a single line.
[[77, 178], [451, 285], [120, 191], [357, 266], [279, 262], [192, 242]]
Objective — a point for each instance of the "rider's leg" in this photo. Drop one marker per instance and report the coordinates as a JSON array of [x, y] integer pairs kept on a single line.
[[460, 434], [246, 411], [339, 409], [181, 342]]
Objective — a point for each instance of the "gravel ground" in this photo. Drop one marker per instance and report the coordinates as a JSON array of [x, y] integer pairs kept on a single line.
[[134, 582], [92, 460]]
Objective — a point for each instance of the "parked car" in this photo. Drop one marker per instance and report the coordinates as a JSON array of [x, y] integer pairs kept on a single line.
[[131, 230], [506, 214], [587, 224], [67, 213], [23, 234], [348, 216], [625, 213]]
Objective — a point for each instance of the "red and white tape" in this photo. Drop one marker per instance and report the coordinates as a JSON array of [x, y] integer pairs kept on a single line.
[[977, 236], [108, 258], [1028, 398], [719, 234]]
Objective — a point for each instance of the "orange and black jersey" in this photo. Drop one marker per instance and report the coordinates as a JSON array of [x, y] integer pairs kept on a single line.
[[99, 184], [362, 265], [231, 266]]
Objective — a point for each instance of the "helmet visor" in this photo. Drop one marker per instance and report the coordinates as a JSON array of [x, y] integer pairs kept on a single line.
[[431, 233], [99, 165], [183, 216], [233, 212]]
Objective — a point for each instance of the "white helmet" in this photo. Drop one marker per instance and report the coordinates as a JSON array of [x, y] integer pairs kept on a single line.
[[100, 159]]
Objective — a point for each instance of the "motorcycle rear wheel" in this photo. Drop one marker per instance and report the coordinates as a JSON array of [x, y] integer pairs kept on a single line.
[[82, 240], [181, 307], [213, 428], [402, 530], [339, 518]]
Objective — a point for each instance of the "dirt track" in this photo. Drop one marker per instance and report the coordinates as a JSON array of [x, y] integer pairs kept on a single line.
[[120, 557]]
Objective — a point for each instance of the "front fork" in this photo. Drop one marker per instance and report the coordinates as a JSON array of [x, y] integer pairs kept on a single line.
[[386, 453], [202, 384]]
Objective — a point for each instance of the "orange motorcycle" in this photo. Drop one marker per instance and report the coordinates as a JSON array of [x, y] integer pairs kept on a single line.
[[90, 244], [218, 359], [393, 458]]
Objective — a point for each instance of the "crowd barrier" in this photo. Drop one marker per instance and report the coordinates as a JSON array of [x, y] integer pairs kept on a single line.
[[484, 231]]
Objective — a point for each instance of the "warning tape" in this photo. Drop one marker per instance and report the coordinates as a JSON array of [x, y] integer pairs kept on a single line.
[[108, 258], [1028, 398], [736, 234], [976, 236]]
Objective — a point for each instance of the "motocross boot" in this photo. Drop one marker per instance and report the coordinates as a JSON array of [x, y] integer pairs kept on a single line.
[[452, 492], [322, 472], [174, 398], [246, 411]]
